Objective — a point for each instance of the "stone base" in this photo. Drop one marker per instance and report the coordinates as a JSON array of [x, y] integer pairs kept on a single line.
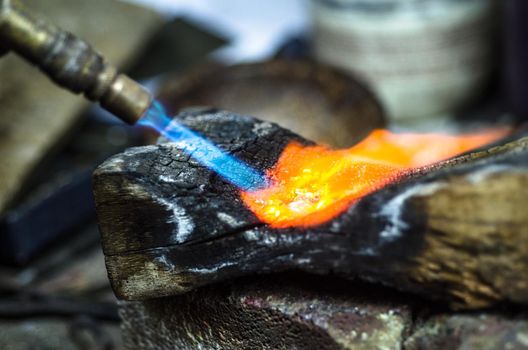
[[310, 312], [283, 312]]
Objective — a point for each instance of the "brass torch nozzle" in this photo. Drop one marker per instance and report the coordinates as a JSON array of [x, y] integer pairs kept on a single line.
[[70, 62]]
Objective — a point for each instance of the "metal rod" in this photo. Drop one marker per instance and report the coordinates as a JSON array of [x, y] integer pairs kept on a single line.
[[70, 62]]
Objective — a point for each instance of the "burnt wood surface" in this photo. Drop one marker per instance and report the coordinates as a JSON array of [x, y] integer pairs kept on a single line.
[[456, 231]]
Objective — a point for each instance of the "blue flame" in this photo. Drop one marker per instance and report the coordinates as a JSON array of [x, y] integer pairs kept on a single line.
[[205, 152]]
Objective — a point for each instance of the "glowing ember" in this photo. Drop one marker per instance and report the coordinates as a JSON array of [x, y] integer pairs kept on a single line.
[[312, 184]]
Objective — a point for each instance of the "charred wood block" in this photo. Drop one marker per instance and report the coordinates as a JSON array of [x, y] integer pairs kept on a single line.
[[284, 312], [456, 231]]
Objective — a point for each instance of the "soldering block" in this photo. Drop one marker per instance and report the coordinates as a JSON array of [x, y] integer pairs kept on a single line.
[[170, 225]]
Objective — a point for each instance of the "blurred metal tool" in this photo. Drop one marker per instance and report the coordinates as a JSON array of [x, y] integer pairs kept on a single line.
[[70, 62]]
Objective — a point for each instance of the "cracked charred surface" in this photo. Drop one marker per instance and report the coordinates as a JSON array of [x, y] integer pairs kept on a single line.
[[170, 225]]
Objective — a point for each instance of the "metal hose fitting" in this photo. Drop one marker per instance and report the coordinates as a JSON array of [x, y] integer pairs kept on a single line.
[[70, 62]]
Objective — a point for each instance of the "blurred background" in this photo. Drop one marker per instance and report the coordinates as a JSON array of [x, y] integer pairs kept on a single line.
[[318, 67]]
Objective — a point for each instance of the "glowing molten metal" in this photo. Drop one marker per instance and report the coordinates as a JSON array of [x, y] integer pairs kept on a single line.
[[312, 184]]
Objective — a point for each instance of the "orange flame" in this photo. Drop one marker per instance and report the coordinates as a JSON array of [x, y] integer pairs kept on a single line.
[[313, 184]]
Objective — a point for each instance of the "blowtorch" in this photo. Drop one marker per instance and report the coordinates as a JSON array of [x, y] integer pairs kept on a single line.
[[70, 62], [75, 65]]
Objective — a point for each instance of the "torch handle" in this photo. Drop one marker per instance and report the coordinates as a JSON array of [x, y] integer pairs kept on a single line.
[[70, 62]]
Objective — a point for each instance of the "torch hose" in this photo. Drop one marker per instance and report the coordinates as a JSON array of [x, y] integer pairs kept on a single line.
[[70, 62]]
